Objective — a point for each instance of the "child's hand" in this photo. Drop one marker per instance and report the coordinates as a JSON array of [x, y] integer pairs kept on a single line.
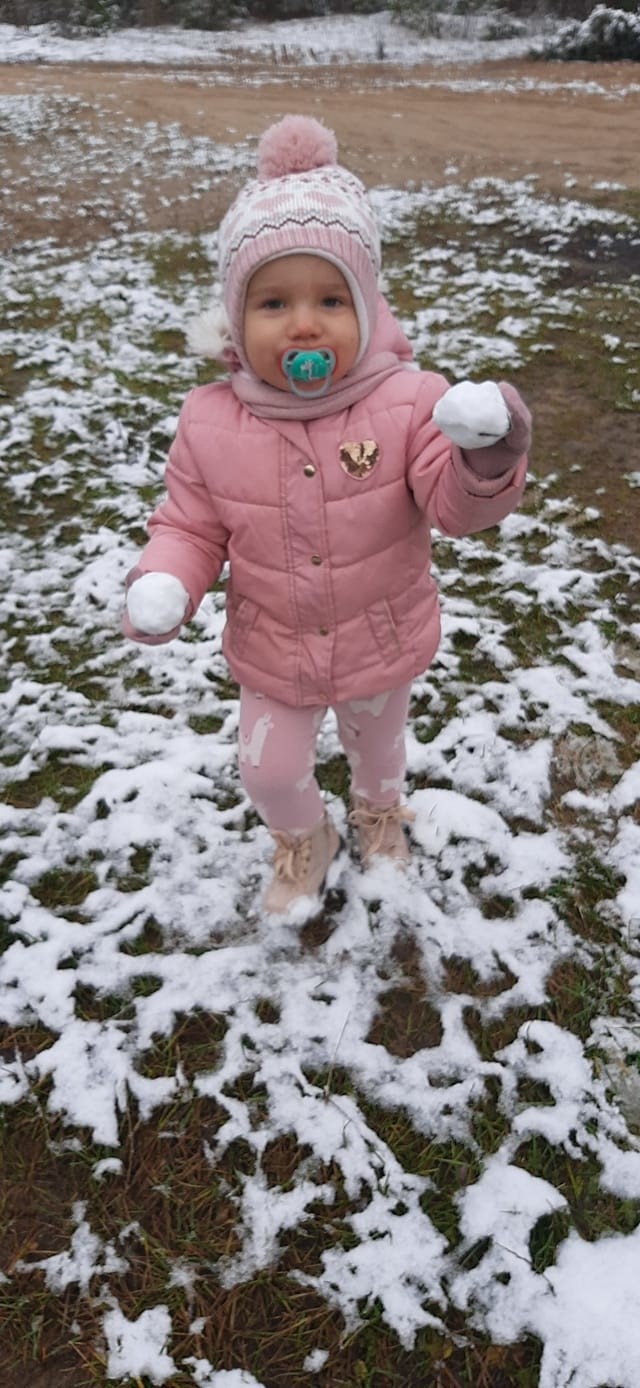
[[155, 607], [490, 422]]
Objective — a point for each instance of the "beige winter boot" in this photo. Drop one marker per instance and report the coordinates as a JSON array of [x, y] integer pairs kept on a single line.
[[380, 831], [300, 865]]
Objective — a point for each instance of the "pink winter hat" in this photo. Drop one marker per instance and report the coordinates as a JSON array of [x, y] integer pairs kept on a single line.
[[304, 201]]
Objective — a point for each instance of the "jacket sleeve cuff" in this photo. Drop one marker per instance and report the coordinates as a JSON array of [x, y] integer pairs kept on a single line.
[[487, 486]]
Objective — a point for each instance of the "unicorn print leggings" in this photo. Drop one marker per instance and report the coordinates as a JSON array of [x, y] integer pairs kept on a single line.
[[278, 754]]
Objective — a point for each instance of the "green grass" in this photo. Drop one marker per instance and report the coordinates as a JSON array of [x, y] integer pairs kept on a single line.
[[592, 1212], [176, 259], [581, 898], [65, 782]]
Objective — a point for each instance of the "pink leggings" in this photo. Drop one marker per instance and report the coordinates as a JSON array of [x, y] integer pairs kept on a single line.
[[278, 754]]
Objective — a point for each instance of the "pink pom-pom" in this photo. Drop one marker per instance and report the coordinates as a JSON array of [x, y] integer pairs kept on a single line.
[[294, 145]]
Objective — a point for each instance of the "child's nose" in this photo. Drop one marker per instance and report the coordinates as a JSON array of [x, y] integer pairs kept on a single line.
[[304, 321]]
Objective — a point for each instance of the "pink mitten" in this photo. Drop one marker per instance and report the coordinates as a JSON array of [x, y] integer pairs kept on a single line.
[[156, 606], [502, 456]]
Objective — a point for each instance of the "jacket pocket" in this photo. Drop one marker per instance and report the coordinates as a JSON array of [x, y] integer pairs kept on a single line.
[[242, 619], [384, 631]]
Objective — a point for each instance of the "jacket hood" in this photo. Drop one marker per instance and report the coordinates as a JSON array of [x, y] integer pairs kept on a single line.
[[388, 351]]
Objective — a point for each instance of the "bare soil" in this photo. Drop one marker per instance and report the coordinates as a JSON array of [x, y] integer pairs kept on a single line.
[[540, 118], [571, 126]]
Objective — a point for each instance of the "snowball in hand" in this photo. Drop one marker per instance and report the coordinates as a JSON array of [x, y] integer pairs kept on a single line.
[[473, 416], [156, 603]]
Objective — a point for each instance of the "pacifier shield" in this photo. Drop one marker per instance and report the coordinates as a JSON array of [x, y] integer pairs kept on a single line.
[[308, 368]]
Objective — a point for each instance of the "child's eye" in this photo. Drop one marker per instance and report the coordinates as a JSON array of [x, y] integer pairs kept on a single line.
[[272, 303], [332, 301]]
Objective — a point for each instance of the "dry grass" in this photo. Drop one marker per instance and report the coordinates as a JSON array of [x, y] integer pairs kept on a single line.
[[179, 1210]]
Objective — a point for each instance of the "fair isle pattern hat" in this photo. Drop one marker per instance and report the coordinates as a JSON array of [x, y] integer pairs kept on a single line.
[[304, 201]]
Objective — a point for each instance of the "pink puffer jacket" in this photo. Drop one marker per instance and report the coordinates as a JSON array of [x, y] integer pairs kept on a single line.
[[326, 528]]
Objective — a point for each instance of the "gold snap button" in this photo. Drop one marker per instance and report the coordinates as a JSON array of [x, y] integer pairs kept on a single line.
[[315, 559], [324, 631], [309, 470]]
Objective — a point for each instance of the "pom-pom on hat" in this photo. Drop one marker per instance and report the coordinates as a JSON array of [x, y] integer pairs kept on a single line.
[[302, 201]]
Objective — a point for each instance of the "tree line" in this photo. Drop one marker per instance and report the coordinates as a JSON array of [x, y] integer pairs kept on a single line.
[[82, 16]]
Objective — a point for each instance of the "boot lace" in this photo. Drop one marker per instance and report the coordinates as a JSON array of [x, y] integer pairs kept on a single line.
[[291, 858], [375, 822]]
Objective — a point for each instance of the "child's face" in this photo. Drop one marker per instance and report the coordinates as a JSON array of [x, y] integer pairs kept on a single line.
[[298, 301]]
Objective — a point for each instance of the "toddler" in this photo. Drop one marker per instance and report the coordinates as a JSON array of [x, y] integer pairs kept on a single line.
[[316, 470]]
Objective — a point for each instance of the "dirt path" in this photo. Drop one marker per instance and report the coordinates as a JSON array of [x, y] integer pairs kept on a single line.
[[547, 119]]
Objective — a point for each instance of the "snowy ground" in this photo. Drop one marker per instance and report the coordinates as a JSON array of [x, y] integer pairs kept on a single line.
[[133, 863], [343, 39]]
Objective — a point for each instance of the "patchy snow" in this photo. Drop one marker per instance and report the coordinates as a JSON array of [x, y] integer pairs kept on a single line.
[[137, 1347], [118, 756], [586, 1310], [334, 39], [205, 1376], [87, 1258]]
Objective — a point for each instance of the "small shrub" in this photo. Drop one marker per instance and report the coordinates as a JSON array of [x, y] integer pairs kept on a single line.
[[209, 14], [499, 24], [89, 16], [422, 15], [463, 18], [606, 36]]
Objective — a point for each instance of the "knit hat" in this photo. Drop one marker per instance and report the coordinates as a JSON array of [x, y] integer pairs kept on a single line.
[[302, 201]]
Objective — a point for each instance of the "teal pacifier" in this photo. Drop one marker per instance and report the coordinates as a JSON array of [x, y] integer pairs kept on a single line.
[[311, 368]]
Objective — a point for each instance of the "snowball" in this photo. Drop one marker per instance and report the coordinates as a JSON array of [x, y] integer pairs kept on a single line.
[[473, 416], [156, 603]]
